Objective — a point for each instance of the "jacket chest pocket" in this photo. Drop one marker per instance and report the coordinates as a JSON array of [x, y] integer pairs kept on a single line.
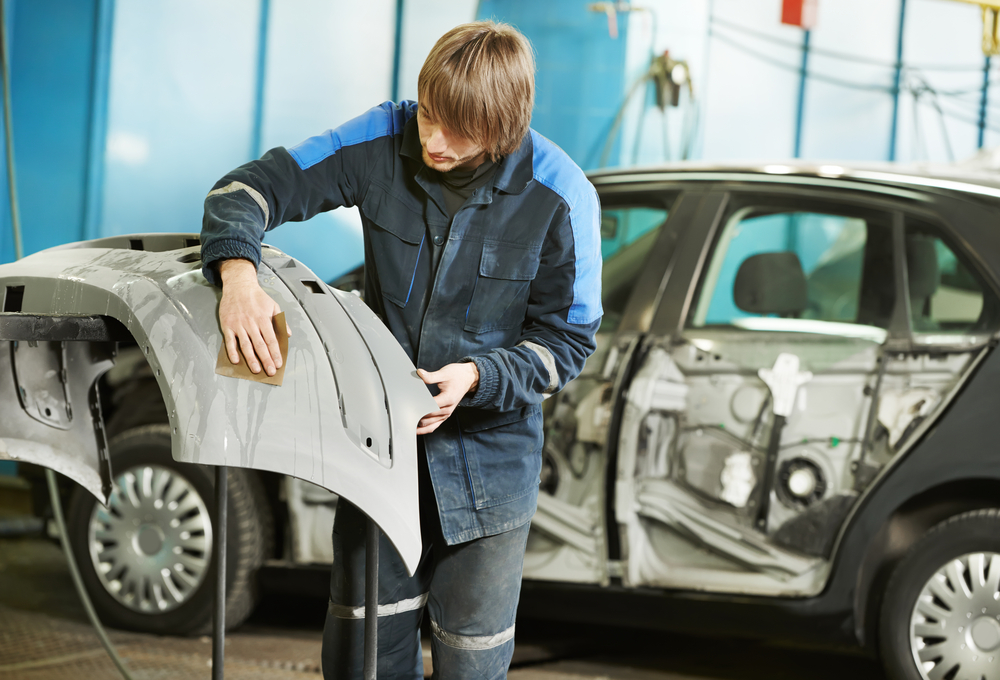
[[396, 235], [500, 298]]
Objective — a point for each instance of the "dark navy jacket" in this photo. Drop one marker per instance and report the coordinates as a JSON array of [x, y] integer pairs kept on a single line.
[[517, 289]]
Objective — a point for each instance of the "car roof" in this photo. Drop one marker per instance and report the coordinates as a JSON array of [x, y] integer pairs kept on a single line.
[[940, 177]]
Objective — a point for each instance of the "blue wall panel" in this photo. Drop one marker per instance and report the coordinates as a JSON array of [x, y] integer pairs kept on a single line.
[[581, 71], [180, 110], [314, 83], [51, 55]]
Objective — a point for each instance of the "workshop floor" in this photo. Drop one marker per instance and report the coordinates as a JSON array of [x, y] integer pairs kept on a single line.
[[44, 635]]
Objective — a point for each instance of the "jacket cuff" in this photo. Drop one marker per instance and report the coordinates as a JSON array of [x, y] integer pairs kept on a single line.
[[226, 249], [489, 381]]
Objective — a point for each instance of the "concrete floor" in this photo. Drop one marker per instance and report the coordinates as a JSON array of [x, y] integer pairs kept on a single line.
[[45, 635]]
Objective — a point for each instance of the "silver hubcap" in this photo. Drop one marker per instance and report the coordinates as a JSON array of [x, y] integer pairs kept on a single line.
[[151, 545], [955, 626]]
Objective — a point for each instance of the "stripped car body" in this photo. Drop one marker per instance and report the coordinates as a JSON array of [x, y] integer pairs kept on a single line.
[[760, 439], [344, 418]]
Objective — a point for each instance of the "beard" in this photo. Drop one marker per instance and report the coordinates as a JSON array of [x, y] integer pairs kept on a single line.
[[451, 163]]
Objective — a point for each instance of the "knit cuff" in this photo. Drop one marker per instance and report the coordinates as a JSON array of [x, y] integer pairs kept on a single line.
[[226, 249], [489, 381]]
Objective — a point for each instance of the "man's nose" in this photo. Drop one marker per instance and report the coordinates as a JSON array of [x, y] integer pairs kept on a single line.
[[437, 143]]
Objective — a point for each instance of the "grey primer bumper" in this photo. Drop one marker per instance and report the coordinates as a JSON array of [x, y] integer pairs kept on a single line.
[[344, 419]]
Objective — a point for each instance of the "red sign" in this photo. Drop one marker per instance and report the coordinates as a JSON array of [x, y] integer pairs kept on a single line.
[[801, 13]]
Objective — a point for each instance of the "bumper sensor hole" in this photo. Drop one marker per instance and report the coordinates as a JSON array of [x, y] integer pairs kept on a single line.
[[13, 299], [313, 286]]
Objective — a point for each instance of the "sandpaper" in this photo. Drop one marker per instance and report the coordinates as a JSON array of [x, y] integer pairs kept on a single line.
[[225, 367]]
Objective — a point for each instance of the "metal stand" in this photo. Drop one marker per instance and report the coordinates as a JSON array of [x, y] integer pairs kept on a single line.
[[219, 552], [219, 615], [371, 601]]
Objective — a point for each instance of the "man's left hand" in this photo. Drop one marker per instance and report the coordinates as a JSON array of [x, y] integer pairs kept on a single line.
[[454, 381]]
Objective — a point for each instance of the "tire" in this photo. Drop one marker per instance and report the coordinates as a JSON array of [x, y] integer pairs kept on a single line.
[[941, 607], [161, 578]]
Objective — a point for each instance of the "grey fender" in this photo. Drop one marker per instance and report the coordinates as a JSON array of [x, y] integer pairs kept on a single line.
[[344, 419]]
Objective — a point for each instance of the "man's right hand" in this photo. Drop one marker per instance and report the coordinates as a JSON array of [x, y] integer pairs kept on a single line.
[[245, 314]]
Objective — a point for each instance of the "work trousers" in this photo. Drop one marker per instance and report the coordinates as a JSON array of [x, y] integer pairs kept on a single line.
[[470, 590]]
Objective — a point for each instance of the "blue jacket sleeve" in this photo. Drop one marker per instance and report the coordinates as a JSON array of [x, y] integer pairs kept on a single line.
[[564, 313], [322, 173]]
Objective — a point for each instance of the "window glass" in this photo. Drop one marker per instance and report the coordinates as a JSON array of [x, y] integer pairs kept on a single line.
[[945, 296], [623, 226], [627, 235], [777, 269]]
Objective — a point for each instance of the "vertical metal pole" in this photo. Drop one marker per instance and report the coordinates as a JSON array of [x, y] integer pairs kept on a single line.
[[983, 101], [258, 101], [895, 81], [15, 213], [800, 110], [371, 601], [397, 56], [219, 553]]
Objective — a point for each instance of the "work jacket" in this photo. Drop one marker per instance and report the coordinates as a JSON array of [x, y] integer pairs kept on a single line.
[[516, 290]]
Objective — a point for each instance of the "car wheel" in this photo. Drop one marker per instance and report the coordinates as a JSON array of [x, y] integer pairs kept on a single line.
[[146, 559], [940, 618]]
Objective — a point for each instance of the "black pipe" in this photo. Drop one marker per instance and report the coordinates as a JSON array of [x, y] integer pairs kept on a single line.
[[984, 101], [219, 552], [397, 55], [371, 601], [897, 76], [801, 105]]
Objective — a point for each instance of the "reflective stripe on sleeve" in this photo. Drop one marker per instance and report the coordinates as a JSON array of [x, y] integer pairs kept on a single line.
[[548, 360], [254, 194], [343, 611], [471, 642]]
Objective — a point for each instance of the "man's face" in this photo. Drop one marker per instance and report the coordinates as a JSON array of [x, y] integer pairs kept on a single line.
[[443, 150]]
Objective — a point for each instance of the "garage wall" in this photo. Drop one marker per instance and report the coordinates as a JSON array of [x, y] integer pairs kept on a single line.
[[746, 69], [124, 125], [580, 78], [52, 46]]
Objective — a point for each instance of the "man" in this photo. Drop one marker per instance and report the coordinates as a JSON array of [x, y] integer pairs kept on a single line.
[[482, 255]]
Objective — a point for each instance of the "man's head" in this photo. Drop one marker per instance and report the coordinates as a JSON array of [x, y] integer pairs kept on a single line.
[[476, 89]]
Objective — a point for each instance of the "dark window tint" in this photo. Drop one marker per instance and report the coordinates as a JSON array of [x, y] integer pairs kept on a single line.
[[945, 295]]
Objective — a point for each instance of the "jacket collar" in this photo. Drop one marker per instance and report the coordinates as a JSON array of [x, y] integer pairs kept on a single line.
[[512, 176]]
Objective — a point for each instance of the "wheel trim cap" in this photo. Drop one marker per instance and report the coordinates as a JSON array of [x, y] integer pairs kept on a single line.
[[956, 620], [151, 546]]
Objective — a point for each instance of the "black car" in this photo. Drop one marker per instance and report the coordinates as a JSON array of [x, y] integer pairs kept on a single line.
[[787, 427]]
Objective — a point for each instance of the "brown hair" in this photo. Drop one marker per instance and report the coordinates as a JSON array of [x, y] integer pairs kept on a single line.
[[480, 82]]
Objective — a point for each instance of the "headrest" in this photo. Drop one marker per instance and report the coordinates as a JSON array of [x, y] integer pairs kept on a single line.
[[922, 266], [771, 283]]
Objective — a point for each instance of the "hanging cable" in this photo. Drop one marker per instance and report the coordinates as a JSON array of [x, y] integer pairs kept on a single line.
[[798, 69], [50, 476], [844, 56]]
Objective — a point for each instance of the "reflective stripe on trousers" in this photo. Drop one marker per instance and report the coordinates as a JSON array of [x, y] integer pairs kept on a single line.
[[470, 590]]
